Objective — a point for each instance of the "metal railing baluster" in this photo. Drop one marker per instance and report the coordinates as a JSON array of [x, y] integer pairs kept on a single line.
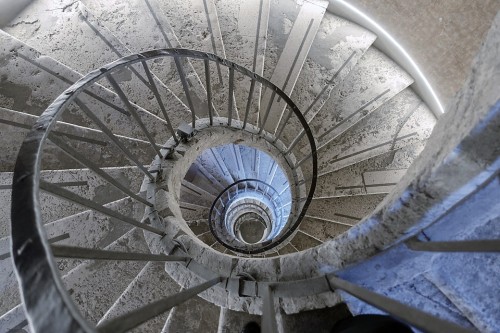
[[269, 324], [113, 138], [295, 141], [408, 314], [209, 91], [136, 317], [266, 115], [133, 112], [249, 102], [230, 97], [75, 252], [70, 196], [185, 86], [287, 118], [485, 245], [154, 89], [89, 164]]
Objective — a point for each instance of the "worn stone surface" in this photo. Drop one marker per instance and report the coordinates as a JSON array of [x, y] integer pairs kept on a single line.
[[321, 320], [321, 229], [94, 286], [194, 315], [150, 285], [234, 321]]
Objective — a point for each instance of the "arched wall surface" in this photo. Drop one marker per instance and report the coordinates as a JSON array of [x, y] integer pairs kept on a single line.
[[442, 37]]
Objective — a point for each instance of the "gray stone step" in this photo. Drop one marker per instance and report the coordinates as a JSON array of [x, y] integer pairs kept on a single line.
[[302, 241], [150, 285], [155, 32], [322, 229], [321, 320], [85, 229], [31, 81], [14, 125], [382, 173], [243, 27], [80, 181], [196, 25], [192, 211], [96, 285], [200, 177], [337, 48], [292, 30], [97, 46], [234, 321], [213, 162], [193, 194], [194, 315], [398, 123], [348, 210], [198, 227], [14, 321], [374, 80]]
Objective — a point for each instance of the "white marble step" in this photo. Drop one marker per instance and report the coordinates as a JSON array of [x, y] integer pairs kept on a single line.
[[303, 28], [14, 125], [243, 26], [36, 80], [79, 181], [150, 285], [96, 285]]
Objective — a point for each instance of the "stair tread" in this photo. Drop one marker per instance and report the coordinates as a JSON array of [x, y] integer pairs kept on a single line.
[[293, 53], [150, 285], [94, 286]]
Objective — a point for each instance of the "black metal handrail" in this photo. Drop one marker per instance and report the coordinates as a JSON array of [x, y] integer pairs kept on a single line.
[[33, 258]]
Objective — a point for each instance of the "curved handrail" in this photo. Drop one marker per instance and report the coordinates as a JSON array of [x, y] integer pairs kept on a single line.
[[31, 252]]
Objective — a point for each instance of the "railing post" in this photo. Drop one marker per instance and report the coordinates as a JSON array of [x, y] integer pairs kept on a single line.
[[269, 324]]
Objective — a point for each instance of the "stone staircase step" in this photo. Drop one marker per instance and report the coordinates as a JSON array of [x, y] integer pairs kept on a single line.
[[14, 125], [374, 80], [150, 285], [231, 156], [37, 80], [234, 321], [198, 226], [84, 229], [379, 133], [194, 315], [80, 181], [321, 320], [328, 63], [293, 53], [243, 26], [14, 320], [98, 46], [322, 229], [155, 32], [214, 163], [302, 241], [200, 177], [348, 210], [350, 179], [193, 194], [96, 285], [194, 212]]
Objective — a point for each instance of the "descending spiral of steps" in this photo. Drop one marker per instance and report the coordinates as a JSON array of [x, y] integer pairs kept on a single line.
[[223, 175]]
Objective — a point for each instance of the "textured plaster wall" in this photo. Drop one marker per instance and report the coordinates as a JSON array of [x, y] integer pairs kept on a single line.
[[441, 36]]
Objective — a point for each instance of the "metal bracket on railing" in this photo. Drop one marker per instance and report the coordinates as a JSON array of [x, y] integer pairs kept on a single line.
[[243, 277], [185, 132]]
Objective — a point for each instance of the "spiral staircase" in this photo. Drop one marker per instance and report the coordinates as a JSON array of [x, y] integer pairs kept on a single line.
[[174, 188]]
